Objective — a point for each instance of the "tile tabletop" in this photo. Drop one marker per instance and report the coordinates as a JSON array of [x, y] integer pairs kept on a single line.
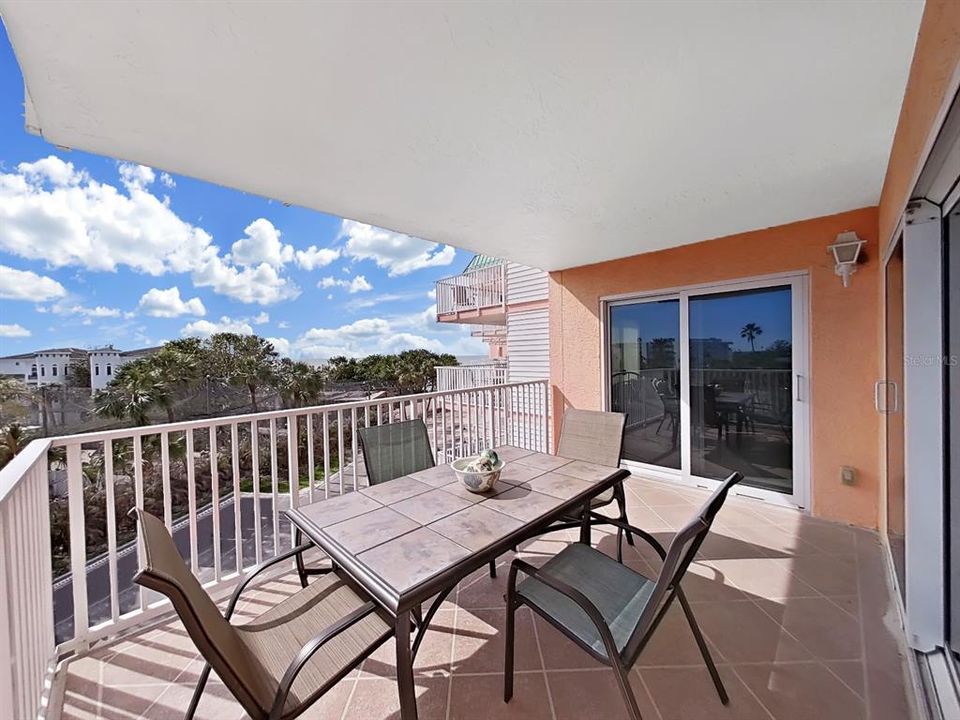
[[406, 531]]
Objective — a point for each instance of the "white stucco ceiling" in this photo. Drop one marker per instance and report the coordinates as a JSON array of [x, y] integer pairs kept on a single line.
[[551, 134]]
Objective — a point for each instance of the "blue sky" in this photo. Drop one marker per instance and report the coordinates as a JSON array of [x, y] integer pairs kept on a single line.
[[95, 251]]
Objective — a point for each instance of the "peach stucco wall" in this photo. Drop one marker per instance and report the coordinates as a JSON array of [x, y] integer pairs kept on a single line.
[[932, 80], [844, 338]]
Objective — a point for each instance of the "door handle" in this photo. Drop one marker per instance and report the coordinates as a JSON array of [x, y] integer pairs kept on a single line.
[[880, 390], [796, 391]]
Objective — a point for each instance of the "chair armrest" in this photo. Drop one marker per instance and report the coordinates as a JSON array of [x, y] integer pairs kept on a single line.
[[259, 569], [650, 539], [582, 601], [308, 651]]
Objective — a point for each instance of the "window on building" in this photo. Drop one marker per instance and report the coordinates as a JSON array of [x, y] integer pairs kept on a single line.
[[109, 369], [96, 369], [43, 371], [54, 371]]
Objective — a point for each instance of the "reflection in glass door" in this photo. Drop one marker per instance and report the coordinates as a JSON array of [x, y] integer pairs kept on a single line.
[[707, 378], [645, 379], [741, 378]]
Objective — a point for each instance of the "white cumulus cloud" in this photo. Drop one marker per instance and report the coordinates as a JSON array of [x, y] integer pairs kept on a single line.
[[14, 331], [260, 318], [168, 303], [358, 284], [314, 257], [261, 245], [167, 180], [51, 211], [206, 328], [136, 176], [281, 345], [400, 254], [26, 285]]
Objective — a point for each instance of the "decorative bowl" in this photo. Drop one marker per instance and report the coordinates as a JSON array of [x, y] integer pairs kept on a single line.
[[474, 481]]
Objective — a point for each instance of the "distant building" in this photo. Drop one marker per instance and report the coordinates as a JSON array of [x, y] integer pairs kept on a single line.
[[54, 365]]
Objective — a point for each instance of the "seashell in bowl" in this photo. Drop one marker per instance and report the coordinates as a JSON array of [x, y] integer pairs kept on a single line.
[[476, 473]]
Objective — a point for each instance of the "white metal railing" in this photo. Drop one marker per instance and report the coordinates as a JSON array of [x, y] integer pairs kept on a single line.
[[27, 644], [220, 485], [462, 377], [479, 289]]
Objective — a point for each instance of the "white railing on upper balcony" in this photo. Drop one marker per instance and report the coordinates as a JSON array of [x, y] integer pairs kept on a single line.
[[461, 377], [480, 289], [220, 484]]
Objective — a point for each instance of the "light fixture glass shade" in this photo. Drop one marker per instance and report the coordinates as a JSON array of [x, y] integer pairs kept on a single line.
[[845, 251]]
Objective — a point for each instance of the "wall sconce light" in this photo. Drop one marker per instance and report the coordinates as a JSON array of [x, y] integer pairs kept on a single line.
[[846, 251]]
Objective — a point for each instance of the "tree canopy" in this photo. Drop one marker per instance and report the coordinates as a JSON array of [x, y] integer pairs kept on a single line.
[[171, 380]]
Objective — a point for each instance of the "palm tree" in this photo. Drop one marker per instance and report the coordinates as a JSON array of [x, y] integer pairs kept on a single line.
[[136, 389], [751, 331], [13, 439], [244, 360], [299, 384]]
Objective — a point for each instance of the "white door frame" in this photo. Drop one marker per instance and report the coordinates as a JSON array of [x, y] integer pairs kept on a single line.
[[800, 498]]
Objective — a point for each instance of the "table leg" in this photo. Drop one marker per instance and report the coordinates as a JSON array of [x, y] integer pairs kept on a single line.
[[585, 524], [405, 686]]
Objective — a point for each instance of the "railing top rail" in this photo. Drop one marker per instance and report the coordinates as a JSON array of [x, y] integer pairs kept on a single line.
[[489, 269], [140, 430], [17, 468]]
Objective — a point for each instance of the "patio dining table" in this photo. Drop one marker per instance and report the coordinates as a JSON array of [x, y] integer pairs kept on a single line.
[[414, 538]]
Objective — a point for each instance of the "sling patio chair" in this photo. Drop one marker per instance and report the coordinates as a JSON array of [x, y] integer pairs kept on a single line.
[[595, 437], [283, 661], [396, 449], [605, 607]]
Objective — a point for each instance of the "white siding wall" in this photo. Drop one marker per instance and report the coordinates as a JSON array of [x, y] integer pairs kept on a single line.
[[525, 284], [528, 345]]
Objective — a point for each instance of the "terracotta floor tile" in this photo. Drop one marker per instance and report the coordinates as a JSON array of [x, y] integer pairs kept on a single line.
[[480, 697], [433, 657], [689, 694], [377, 699], [478, 646], [850, 671], [479, 590], [762, 577], [561, 653], [821, 627], [830, 575], [595, 695], [672, 642], [217, 704], [703, 582], [802, 691], [744, 633]]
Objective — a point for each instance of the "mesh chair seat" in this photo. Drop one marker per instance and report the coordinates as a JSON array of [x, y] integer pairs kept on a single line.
[[619, 593], [395, 449], [276, 637]]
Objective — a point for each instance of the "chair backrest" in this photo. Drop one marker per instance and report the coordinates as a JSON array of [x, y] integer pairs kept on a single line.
[[164, 570], [592, 436], [395, 449], [680, 553]]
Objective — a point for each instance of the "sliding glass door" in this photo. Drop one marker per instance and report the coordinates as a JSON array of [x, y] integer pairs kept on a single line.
[[709, 380]]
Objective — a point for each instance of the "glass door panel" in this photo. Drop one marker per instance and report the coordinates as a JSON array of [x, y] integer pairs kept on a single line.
[[645, 380], [952, 362], [896, 468], [741, 386]]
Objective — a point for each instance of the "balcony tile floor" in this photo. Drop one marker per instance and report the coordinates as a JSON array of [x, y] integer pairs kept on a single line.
[[798, 612]]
